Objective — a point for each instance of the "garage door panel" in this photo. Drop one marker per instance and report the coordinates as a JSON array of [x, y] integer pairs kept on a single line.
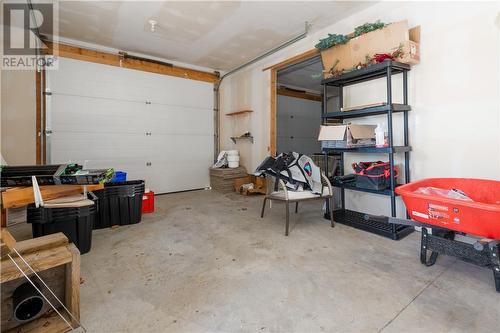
[[182, 148], [301, 125], [180, 92], [78, 147], [93, 83], [284, 144], [100, 118], [283, 123], [127, 84], [134, 166], [97, 80], [76, 113], [192, 176], [180, 120]]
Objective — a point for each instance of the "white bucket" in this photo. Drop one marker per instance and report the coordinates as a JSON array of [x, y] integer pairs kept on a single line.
[[232, 153], [233, 158], [233, 165]]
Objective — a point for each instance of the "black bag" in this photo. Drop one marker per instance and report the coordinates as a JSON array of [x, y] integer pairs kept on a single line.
[[374, 175]]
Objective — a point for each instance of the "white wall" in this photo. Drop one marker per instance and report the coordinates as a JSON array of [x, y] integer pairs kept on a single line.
[[454, 91], [297, 121], [18, 112]]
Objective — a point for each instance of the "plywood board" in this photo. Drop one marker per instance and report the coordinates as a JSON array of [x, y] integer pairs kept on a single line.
[[22, 196]]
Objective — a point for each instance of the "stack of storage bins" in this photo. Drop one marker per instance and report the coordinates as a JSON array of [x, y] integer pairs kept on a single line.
[[116, 204], [75, 222], [119, 204]]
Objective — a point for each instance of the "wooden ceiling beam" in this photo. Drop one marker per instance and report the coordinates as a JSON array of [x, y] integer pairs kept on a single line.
[[299, 94], [111, 59], [293, 60]]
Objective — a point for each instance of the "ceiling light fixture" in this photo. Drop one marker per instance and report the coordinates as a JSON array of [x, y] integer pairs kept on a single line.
[[153, 24]]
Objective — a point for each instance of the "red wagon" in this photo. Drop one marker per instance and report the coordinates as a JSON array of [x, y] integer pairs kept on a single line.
[[476, 214], [479, 217]]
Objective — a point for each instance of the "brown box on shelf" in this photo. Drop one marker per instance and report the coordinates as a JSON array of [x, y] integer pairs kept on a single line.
[[385, 40], [347, 136]]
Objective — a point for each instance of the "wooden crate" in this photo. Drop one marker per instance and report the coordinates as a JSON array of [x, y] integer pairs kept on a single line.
[[57, 262], [221, 179]]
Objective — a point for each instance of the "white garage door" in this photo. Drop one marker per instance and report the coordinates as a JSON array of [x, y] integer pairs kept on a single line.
[[155, 127]]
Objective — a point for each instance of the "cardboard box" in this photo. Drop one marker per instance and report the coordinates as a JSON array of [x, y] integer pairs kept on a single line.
[[260, 185], [385, 40], [347, 136], [241, 181]]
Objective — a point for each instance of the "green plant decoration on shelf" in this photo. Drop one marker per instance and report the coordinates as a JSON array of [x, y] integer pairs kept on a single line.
[[368, 27], [331, 40], [335, 39]]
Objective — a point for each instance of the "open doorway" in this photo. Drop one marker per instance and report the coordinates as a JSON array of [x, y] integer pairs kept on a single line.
[[297, 92], [298, 110], [298, 107]]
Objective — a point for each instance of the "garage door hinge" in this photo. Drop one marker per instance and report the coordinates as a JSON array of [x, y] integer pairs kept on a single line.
[[47, 92]]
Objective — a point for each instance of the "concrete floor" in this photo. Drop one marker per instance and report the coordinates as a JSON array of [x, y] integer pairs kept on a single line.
[[206, 262]]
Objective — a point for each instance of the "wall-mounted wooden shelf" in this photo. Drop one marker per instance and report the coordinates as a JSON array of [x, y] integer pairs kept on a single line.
[[247, 137], [238, 113]]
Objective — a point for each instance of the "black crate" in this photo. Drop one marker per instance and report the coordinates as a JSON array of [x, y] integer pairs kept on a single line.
[[119, 204], [74, 222], [21, 175], [358, 220]]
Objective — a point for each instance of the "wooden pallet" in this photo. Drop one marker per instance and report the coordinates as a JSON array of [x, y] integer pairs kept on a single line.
[[222, 179]]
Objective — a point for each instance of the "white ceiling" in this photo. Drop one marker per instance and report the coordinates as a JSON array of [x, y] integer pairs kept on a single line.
[[219, 35]]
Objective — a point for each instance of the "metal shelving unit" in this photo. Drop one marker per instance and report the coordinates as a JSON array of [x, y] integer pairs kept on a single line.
[[385, 69], [370, 111]]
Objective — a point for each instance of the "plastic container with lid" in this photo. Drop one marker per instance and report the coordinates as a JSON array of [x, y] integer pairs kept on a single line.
[[119, 204], [74, 222]]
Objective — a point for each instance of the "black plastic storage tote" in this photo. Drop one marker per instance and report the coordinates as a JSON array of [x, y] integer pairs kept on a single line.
[[119, 204], [74, 222]]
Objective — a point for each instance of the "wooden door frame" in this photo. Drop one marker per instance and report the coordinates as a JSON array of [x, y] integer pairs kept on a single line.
[[38, 117], [274, 91], [40, 113]]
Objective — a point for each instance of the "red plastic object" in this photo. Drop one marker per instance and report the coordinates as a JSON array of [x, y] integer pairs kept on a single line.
[[480, 217], [148, 202]]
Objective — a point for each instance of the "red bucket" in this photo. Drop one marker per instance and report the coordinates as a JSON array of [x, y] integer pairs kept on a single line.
[[480, 217], [148, 202]]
